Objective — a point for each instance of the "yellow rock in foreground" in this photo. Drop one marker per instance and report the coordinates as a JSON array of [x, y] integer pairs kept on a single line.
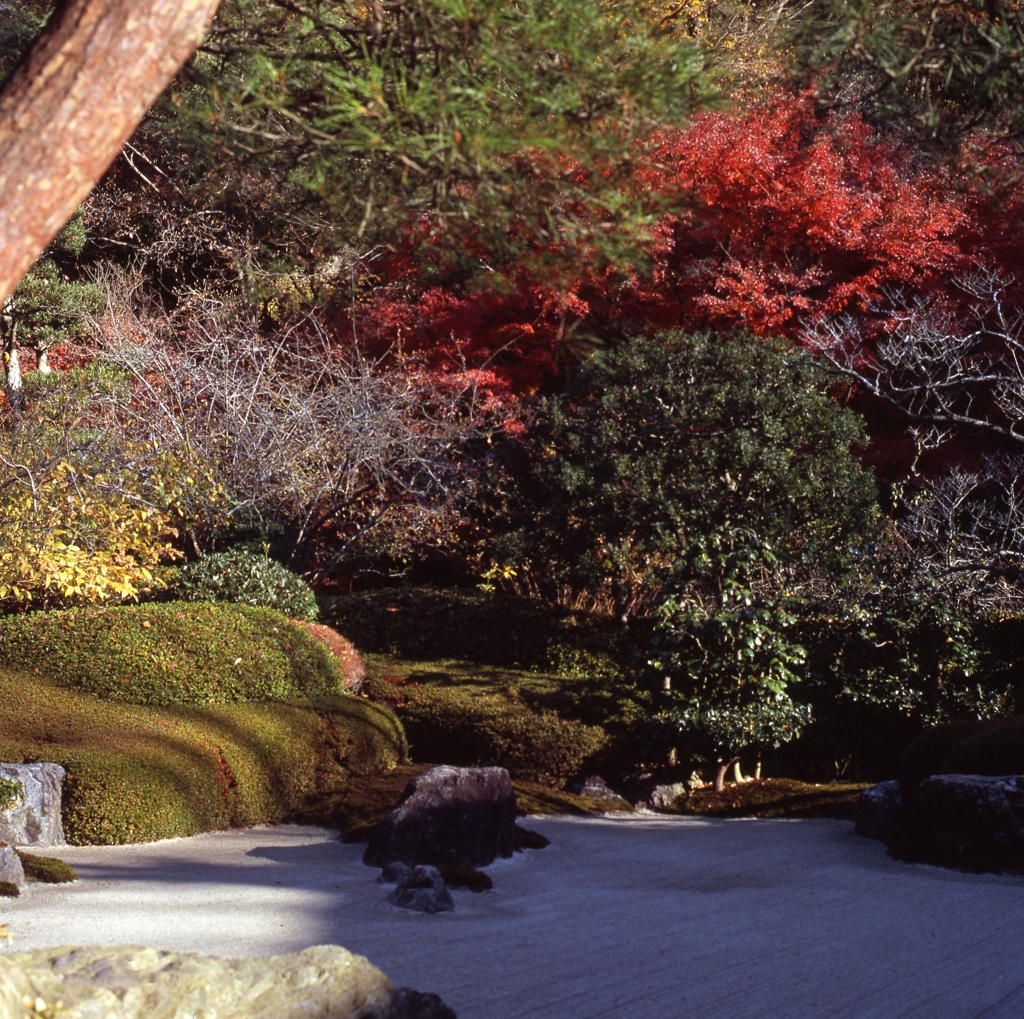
[[127, 982]]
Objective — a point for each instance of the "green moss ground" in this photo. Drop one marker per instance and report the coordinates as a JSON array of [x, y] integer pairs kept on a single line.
[[138, 773], [483, 679], [775, 797]]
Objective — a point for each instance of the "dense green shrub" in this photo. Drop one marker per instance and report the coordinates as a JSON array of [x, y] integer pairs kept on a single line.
[[239, 575], [179, 653], [421, 623], [463, 726], [138, 773], [711, 480]]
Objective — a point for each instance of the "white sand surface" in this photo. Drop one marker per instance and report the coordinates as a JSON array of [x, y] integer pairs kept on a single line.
[[632, 917]]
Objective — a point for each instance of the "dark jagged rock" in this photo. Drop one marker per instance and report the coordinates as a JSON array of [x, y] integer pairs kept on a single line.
[[463, 816], [976, 808], [423, 890], [879, 811]]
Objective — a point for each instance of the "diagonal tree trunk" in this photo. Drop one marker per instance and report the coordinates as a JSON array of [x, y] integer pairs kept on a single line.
[[71, 104]]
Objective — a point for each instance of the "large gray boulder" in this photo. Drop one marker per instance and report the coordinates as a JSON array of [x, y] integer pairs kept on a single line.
[[974, 808], [464, 816], [11, 869], [127, 982], [35, 820], [878, 811]]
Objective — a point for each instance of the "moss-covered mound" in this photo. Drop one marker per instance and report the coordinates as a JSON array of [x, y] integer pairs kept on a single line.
[[469, 725], [138, 773], [775, 797], [178, 653], [991, 747], [47, 870]]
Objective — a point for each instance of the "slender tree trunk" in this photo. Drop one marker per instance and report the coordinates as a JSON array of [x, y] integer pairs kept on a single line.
[[723, 768], [737, 772], [12, 364], [757, 768], [42, 361], [71, 104], [12, 371]]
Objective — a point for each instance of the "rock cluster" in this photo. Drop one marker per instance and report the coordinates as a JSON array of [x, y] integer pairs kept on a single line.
[[967, 809], [595, 787], [35, 821], [460, 816], [653, 792], [325, 982]]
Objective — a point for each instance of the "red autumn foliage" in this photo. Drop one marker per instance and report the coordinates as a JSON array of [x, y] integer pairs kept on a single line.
[[767, 220]]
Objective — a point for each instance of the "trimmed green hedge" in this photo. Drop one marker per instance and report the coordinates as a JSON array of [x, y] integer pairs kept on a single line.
[[177, 653], [139, 773]]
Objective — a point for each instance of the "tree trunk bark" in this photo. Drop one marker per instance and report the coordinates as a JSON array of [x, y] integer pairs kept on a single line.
[[737, 772], [757, 768], [72, 103], [723, 767]]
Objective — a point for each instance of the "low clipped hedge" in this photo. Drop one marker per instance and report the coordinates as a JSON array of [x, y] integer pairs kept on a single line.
[[136, 773], [177, 653], [994, 746], [463, 726]]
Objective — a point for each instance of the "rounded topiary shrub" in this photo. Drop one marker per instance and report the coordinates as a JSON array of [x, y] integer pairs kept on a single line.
[[177, 653], [249, 579]]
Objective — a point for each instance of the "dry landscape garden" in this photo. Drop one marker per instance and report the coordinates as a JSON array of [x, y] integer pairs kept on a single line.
[[626, 394]]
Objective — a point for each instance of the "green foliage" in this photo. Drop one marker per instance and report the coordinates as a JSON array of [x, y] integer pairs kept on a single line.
[[465, 726], [940, 69], [423, 623], [12, 792], [239, 575], [712, 478], [88, 501], [179, 653], [136, 774], [446, 108], [47, 870], [684, 458], [9, 890], [47, 308]]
